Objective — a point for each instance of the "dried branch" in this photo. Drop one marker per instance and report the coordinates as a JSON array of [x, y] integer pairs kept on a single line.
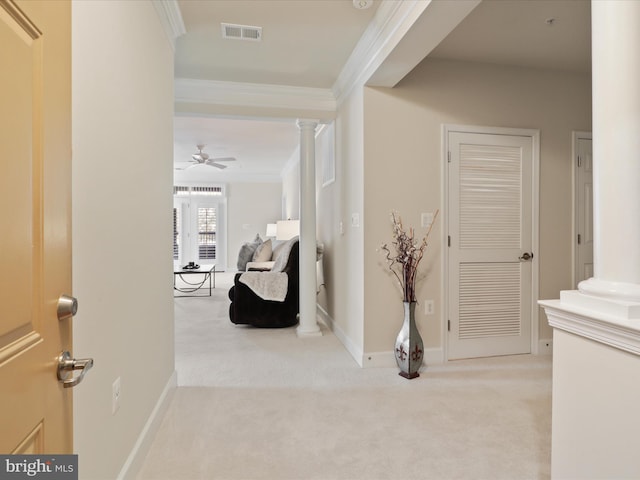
[[404, 262]]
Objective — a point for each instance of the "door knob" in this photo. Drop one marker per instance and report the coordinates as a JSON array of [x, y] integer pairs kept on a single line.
[[526, 256], [67, 307], [66, 366]]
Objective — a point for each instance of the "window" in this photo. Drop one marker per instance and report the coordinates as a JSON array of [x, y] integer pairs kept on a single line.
[[199, 225], [206, 233], [182, 191]]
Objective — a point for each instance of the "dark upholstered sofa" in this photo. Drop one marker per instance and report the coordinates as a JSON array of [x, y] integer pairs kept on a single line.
[[247, 308]]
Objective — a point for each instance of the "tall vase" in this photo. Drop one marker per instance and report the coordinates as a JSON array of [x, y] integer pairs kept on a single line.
[[409, 346]]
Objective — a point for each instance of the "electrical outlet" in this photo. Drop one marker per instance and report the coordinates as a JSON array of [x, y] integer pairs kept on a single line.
[[115, 396], [428, 307]]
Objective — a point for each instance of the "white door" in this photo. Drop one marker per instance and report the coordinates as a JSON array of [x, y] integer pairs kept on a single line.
[[584, 207], [197, 232], [490, 237], [206, 226]]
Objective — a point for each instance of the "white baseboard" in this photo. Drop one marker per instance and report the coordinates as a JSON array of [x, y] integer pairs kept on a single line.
[[353, 349], [545, 347], [374, 359], [432, 356], [134, 462], [379, 359]]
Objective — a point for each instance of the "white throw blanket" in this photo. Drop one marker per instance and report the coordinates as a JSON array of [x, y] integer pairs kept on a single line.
[[267, 285]]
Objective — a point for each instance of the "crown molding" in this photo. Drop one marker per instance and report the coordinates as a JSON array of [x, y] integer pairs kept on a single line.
[[400, 36], [189, 90], [391, 22], [171, 19]]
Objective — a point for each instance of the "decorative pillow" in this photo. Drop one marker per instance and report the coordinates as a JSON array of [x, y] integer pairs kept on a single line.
[[246, 253], [263, 252], [276, 246], [283, 255]]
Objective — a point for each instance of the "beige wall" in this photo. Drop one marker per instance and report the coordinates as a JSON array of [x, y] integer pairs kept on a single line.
[[122, 267], [250, 206], [343, 297], [291, 188], [402, 158]]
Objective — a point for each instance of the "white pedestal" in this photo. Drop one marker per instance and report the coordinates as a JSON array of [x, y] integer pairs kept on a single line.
[[596, 387]]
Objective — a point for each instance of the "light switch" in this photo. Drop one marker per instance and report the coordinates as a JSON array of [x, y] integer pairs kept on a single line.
[[427, 219], [428, 307], [355, 220]]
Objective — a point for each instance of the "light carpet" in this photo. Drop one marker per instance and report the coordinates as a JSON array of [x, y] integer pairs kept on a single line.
[[264, 404]]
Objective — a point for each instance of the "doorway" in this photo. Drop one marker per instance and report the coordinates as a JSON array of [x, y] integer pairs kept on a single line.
[[491, 194], [583, 206], [199, 225]]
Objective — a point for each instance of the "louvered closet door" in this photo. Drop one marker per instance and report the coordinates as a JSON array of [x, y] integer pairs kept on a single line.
[[490, 227]]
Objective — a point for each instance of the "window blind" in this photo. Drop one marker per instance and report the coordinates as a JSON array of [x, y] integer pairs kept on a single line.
[[207, 223]]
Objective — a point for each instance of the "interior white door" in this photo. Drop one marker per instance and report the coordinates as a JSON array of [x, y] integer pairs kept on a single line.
[[490, 228], [584, 207]]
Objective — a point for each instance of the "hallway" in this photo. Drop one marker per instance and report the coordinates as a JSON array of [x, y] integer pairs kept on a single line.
[[263, 404]]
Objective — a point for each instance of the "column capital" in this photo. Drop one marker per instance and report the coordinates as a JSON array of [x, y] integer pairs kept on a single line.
[[304, 123]]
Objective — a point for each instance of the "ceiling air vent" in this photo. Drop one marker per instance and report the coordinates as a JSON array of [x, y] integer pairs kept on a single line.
[[241, 32]]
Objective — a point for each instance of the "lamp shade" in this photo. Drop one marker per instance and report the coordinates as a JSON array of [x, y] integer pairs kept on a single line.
[[287, 229], [271, 230]]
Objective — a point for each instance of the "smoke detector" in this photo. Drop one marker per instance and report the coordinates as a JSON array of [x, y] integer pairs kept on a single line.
[[241, 32], [362, 4]]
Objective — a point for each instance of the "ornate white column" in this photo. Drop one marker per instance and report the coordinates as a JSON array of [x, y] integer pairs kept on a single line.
[[596, 340], [308, 322]]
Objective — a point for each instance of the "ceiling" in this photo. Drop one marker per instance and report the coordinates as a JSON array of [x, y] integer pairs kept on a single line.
[[550, 34], [261, 147], [305, 43]]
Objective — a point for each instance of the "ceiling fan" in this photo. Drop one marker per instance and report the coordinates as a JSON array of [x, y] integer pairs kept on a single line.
[[202, 158]]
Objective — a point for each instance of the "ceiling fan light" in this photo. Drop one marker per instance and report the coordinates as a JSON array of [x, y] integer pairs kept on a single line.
[[202, 158]]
